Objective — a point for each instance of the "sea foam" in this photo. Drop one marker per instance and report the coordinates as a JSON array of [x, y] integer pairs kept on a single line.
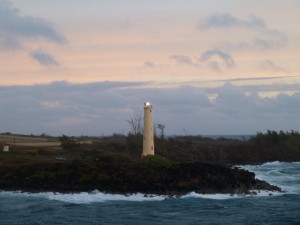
[[96, 196], [282, 174]]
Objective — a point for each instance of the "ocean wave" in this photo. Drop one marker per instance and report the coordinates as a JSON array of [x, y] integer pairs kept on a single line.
[[98, 197], [272, 163], [211, 196], [283, 174], [276, 163], [254, 193], [87, 197]]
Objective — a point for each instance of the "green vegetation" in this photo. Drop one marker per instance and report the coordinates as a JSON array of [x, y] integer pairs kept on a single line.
[[68, 143], [156, 161], [282, 139]]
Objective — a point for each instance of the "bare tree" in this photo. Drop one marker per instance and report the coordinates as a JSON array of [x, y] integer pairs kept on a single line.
[[136, 124], [161, 128]]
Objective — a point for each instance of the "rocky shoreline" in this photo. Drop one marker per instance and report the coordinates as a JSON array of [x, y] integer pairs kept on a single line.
[[128, 178]]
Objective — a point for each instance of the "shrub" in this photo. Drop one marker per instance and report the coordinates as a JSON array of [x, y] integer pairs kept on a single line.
[[156, 161]]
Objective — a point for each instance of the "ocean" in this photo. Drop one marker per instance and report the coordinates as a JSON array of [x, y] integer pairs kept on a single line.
[[17, 208]]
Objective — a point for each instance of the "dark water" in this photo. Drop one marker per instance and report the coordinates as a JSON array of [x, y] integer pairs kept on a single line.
[[97, 208]]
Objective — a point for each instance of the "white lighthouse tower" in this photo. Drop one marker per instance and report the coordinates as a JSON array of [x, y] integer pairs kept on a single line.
[[148, 141]]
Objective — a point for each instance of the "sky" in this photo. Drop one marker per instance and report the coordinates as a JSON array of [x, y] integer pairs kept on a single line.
[[84, 67]]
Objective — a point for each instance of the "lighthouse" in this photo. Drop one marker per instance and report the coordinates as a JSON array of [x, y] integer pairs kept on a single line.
[[148, 141]]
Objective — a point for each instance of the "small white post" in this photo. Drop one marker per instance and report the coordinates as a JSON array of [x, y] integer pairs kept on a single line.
[[6, 148]]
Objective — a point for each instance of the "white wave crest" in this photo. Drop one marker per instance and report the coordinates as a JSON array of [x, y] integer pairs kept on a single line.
[[282, 174], [275, 163], [254, 193], [86, 197], [96, 196], [210, 196]]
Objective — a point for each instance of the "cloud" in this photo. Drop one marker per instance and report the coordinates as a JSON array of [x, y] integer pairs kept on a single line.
[[279, 88], [273, 40], [16, 28], [224, 56], [253, 78], [258, 88], [31, 109], [232, 80], [231, 99], [43, 58], [149, 64], [103, 108], [242, 111], [228, 21], [183, 59], [9, 43], [268, 65], [265, 37], [214, 65]]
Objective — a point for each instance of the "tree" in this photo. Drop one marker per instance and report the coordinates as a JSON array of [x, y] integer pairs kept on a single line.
[[67, 142], [136, 124], [161, 128]]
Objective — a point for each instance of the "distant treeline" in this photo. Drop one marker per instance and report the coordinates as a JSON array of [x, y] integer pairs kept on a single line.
[[272, 138], [260, 148]]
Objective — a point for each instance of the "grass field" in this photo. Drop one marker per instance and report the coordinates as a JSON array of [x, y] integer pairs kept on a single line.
[[22, 140]]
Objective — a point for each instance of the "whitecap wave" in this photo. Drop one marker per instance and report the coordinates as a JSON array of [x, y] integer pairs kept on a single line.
[[282, 174], [87, 197], [26, 194], [96, 196], [210, 196], [254, 193], [274, 163]]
